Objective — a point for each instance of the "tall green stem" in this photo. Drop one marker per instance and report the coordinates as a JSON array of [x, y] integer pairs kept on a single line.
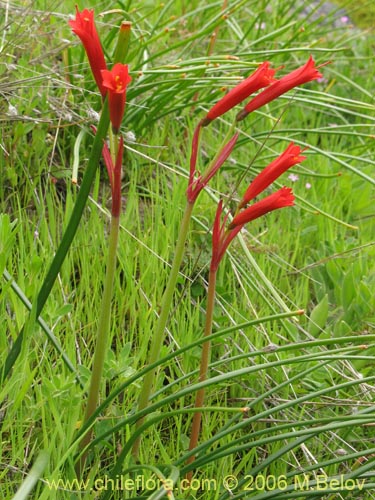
[[205, 361], [69, 234], [158, 336], [102, 335]]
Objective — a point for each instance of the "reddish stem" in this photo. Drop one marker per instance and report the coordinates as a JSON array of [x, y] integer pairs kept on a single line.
[[205, 360]]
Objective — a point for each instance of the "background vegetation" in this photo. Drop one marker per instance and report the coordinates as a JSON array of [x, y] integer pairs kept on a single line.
[[308, 382]]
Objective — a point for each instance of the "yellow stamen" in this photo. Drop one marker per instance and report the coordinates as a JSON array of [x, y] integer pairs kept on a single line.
[[119, 83]]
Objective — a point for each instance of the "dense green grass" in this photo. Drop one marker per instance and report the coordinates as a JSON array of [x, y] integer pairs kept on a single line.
[[307, 381]]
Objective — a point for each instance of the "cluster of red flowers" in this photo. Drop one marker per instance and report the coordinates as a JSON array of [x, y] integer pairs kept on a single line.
[[223, 234], [114, 81], [110, 82], [262, 78]]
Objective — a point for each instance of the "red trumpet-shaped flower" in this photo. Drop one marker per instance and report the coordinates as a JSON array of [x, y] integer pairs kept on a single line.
[[262, 77], [84, 27], [114, 174], [222, 236], [116, 81], [304, 74], [291, 156], [282, 198]]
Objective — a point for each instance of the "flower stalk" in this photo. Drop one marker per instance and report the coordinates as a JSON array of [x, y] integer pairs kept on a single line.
[[222, 235], [158, 335], [101, 344], [221, 238], [195, 186], [262, 77], [112, 84], [113, 161], [200, 181], [205, 361]]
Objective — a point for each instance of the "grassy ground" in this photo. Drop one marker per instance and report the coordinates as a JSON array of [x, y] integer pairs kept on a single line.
[[309, 382]]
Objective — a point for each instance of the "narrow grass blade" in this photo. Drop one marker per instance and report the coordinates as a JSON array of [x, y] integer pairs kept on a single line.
[[32, 478], [54, 341]]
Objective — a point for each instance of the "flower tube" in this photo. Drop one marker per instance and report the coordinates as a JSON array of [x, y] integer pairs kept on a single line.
[[302, 75], [115, 81], [291, 156], [262, 77], [84, 27]]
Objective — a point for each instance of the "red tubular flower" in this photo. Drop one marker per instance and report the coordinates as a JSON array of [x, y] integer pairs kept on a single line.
[[282, 198], [221, 237], [262, 77], [114, 174], [291, 156], [84, 27], [304, 74], [116, 81]]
